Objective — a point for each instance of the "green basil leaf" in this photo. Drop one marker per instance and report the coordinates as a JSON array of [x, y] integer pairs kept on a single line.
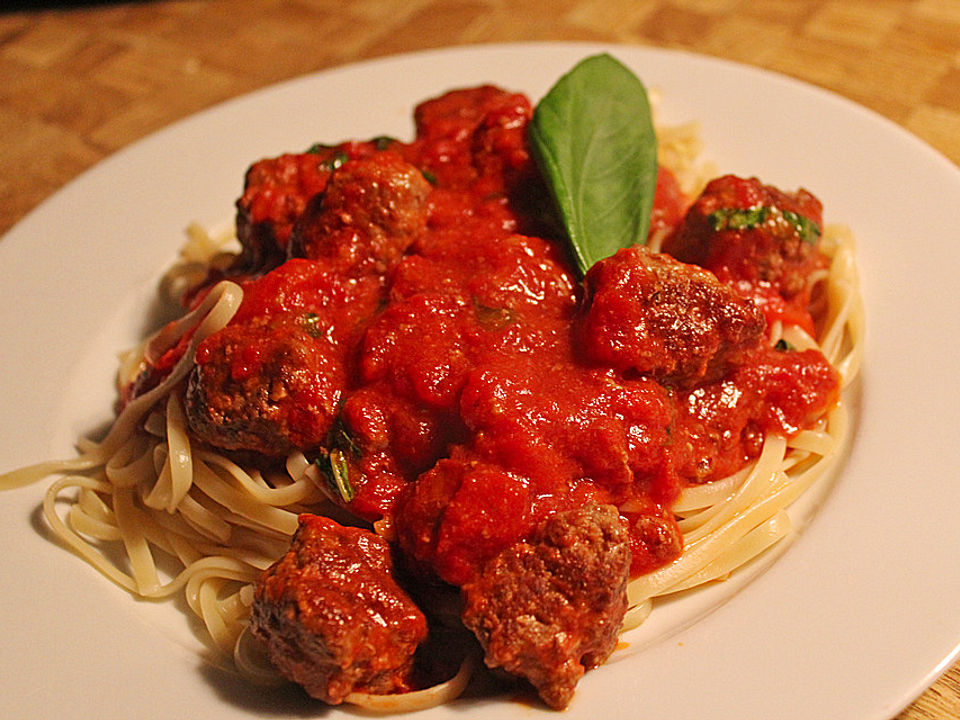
[[592, 136]]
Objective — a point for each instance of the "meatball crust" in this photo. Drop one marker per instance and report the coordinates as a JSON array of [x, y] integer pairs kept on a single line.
[[370, 212], [550, 608], [332, 615], [649, 314], [266, 390]]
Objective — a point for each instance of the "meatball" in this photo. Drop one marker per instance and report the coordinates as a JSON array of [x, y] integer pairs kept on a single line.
[[275, 193], [648, 314], [472, 132], [369, 213], [550, 608], [333, 617], [745, 231], [266, 390]]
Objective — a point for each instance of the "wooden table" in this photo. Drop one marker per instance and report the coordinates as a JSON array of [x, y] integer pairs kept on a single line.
[[79, 81]]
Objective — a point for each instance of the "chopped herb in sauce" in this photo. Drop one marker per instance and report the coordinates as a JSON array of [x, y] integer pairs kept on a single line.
[[334, 468], [311, 323], [750, 218], [492, 318], [382, 142], [332, 163]]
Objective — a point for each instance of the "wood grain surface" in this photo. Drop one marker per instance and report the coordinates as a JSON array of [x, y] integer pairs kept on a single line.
[[79, 81]]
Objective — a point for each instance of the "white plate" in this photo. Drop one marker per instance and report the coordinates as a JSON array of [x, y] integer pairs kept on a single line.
[[852, 622]]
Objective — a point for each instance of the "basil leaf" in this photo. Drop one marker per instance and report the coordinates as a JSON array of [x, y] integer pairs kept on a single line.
[[592, 136]]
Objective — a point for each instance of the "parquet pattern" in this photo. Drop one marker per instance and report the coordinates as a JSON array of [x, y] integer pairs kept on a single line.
[[79, 81]]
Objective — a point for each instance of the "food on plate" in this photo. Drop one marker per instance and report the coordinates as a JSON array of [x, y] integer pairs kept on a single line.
[[423, 411], [333, 616], [548, 607]]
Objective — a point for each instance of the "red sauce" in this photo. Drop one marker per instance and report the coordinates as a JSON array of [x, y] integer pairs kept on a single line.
[[472, 409]]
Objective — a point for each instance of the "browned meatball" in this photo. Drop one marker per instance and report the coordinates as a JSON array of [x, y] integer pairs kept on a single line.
[[267, 390], [275, 192], [332, 616], [745, 231], [647, 313], [551, 608], [370, 212]]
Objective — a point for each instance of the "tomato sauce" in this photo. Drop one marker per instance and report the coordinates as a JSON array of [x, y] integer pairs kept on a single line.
[[467, 403]]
